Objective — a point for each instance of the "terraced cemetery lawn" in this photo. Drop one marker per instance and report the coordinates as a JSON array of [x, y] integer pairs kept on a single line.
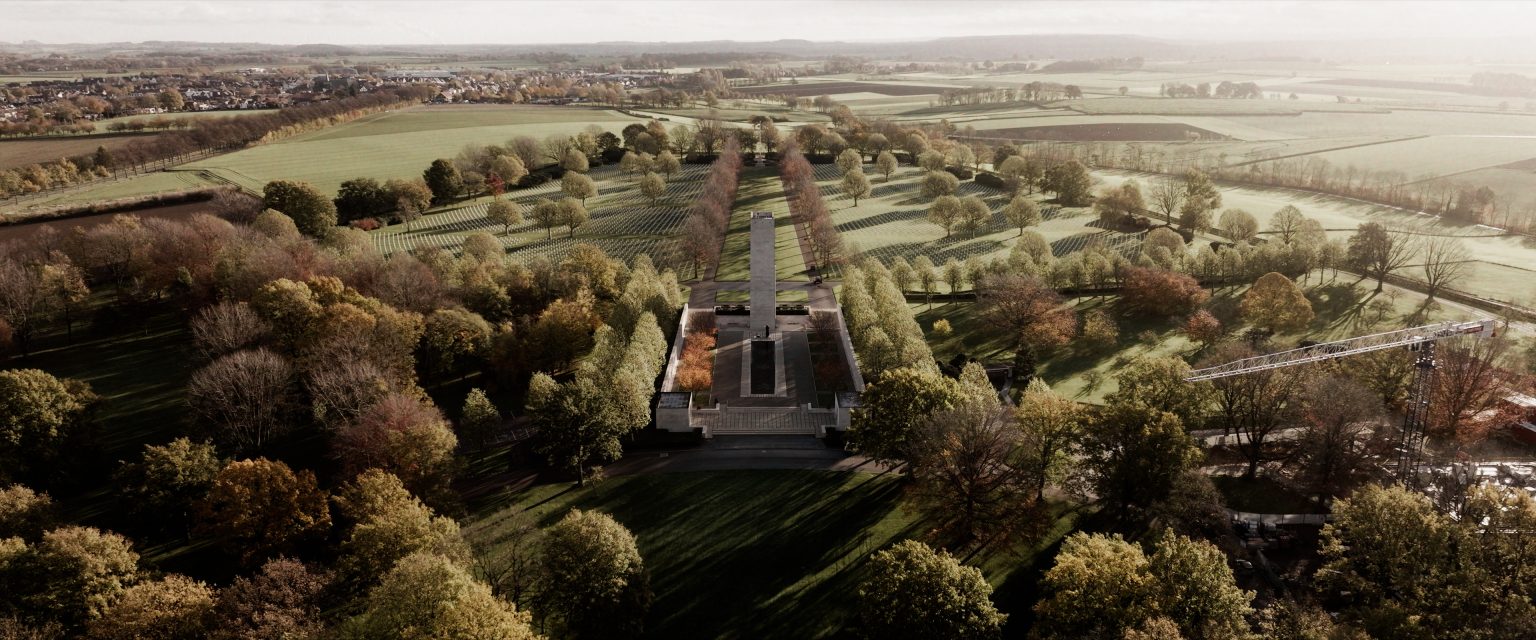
[[894, 222], [1343, 307], [623, 222], [398, 144], [755, 554]]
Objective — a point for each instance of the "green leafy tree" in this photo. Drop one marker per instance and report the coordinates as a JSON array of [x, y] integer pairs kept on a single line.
[[1070, 182], [444, 179], [1097, 588], [653, 187], [452, 338], [938, 184], [975, 214], [71, 576], [479, 420], [509, 168], [412, 198], [362, 198], [595, 583], [1158, 384], [574, 160], [946, 211], [167, 481], [257, 507], [1105, 587], [576, 423], [313, 213], [667, 164], [1118, 205], [895, 406], [426, 597], [1133, 456], [1049, 426], [849, 160], [1022, 212], [1239, 225], [573, 214], [38, 412], [388, 524], [1201, 197], [578, 186], [1021, 174], [855, 184], [547, 215], [914, 592], [886, 164], [1275, 302], [172, 608], [505, 213], [24, 513]]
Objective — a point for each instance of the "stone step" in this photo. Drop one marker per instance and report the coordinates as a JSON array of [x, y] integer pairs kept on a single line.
[[757, 421]]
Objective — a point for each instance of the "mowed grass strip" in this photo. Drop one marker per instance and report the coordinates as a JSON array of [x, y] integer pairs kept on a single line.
[[760, 190]]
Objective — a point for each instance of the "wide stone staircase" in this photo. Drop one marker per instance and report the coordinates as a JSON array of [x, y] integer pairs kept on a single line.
[[760, 421]]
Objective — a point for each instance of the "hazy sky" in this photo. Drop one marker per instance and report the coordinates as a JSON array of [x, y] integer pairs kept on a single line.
[[458, 21]]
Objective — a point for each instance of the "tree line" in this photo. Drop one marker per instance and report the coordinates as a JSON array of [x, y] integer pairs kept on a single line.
[[203, 135]]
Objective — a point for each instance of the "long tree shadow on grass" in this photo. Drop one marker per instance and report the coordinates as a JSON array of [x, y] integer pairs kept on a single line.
[[753, 554]]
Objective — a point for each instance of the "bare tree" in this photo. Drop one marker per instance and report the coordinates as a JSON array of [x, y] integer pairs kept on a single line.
[[1446, 261], [962, 472], [1167, 195], [1469, 379], [1378, 252], [1344, 432], [1255, 405], [227, 327], [243, 398]]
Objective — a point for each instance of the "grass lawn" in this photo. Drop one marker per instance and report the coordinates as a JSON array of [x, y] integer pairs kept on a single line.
[[760, 191], [130, 187], [139, 363], [743, 297], [754, 554], [623, 222]]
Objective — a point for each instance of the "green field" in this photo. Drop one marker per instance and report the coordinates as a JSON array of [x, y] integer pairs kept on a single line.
[[129, 187], [623, 223], [753, 554], [398, 144]]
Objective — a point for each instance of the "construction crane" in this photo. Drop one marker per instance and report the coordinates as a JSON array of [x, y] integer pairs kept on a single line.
[[1420, 340]]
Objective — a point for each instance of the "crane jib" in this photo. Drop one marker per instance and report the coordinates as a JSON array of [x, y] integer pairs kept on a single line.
[[1346, 347]]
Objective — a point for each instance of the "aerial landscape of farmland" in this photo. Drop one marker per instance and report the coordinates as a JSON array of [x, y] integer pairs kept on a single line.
[[524, 319]]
